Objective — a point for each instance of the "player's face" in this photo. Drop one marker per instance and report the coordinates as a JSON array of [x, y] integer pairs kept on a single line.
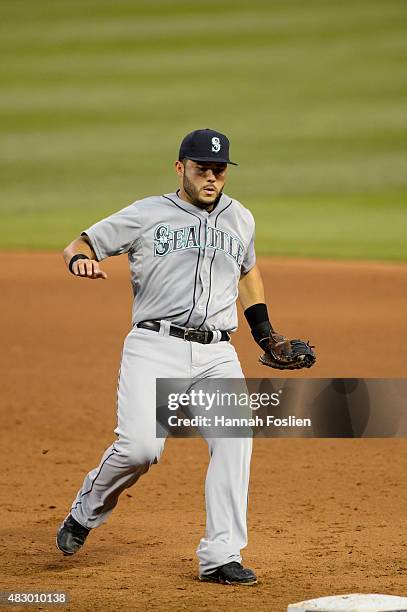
[[202, 182]]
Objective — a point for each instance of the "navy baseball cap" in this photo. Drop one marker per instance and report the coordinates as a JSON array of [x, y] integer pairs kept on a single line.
[[206, 146]]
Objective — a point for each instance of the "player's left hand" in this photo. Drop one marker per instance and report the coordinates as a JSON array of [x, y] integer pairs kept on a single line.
[[284, 354]]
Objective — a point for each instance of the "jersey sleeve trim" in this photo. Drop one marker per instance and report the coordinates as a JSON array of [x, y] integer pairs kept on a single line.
[[246, 269], [94, 244]]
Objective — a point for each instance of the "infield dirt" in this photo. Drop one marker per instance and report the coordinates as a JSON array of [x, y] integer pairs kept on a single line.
[[325, 516]]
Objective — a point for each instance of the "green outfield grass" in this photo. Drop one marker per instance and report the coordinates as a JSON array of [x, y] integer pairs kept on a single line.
[[95, 97]]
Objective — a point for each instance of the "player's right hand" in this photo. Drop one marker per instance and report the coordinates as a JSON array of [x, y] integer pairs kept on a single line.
[[89, 268]]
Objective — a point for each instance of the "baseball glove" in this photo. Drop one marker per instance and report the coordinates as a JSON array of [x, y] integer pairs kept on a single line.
[[284, 354]]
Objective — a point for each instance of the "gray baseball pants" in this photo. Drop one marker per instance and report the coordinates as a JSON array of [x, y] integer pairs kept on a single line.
[[148, 355]]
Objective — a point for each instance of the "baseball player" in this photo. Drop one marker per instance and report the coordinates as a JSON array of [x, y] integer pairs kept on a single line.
[[191, 255]]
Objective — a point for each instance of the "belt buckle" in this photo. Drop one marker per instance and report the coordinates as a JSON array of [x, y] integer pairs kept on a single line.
[[187, 331], [199, 334]]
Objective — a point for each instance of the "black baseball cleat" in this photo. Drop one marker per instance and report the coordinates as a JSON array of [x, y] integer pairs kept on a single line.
[[231, 573], [71, 536]]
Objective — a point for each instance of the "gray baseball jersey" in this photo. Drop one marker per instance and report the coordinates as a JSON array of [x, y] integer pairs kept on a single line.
[[185, 263]]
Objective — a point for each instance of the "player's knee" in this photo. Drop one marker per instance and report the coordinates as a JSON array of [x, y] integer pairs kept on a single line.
[[143, 452], [231, 448]]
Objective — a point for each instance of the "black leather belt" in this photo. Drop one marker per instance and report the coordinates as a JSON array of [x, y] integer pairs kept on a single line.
[[192, 335]]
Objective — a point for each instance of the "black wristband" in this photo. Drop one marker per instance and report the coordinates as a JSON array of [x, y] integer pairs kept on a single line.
[[258, 320], [75, 258]]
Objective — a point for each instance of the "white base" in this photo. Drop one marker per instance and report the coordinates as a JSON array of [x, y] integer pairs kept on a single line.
[[352, 603]]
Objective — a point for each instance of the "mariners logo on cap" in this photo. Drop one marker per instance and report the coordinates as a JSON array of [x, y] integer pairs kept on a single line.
[[215, 144]]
